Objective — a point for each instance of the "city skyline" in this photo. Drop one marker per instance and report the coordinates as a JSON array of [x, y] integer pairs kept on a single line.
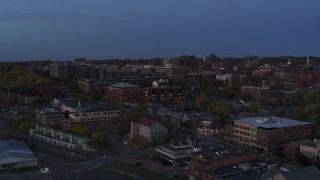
[[59, 30]]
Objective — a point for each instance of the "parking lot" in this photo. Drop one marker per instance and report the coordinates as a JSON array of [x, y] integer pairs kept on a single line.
[[163, 167]]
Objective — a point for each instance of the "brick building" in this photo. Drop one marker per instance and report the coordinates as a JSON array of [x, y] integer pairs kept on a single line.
[[266, 134], [217, 158], [162, 93], [291, 150], [124, 93], [260, 94], [49, 116]]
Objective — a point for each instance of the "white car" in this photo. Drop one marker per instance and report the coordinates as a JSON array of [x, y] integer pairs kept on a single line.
[[44, 170]]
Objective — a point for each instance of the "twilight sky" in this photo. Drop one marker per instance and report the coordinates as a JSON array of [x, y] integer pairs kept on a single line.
[[103, 29]]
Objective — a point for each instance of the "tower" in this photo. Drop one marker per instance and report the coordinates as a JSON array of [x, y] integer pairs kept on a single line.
[[248, 61]]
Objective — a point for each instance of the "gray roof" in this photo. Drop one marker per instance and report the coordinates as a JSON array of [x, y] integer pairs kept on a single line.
[[270, 122], [124, 85], [301, 142], [306, 173], [12, 151]]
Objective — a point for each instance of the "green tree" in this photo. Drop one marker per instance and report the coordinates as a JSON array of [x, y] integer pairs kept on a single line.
[[299, 114], [202, 102], [24, 127], [228, 91], [140, 110], [221, 108], [80, 129], [254, 106]]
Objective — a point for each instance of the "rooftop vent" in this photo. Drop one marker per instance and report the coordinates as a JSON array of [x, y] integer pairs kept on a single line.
[[266, 120]]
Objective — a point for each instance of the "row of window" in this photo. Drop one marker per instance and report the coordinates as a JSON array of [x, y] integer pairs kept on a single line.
[[111, 112], [308, 153]]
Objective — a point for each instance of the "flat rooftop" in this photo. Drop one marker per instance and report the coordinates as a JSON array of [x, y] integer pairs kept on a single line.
[[270, 122], [221, 152], [123, 85]]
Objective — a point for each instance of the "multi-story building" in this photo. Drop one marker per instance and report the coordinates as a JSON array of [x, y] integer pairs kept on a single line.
[[162, 93], [59, 70], [216, 158], [49, 116], [171, 70], [266, 134], [91, 114], [210, 127], [226, 78], [91, 87], [260, 94], [265, 71], [148, 128], [124, 93], [284, 75], [60, 138], [291, 151], [311, 150], [92, 118]]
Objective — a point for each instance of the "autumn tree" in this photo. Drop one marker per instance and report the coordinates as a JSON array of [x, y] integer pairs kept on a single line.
[[202, 102], [179, 99], [221, 108], [24, 127], [80, 129], [99, 140], [136, 142]]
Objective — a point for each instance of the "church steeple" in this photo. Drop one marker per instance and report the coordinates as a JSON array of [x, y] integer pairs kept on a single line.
[[248, 61]]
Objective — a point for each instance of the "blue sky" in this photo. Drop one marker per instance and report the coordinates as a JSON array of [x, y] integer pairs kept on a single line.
[[103, 29]]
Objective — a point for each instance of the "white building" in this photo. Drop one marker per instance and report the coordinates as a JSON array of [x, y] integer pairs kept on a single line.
[[16, 154], [149, 128], [311, 151], [60, 138]]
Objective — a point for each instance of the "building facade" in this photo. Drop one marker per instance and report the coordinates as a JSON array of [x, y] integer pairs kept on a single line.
[[150, 129], [311, 150], [60, 138], [16, 154], [260, 94], [49, 116], [217, 158], [269, 133], [162, 93], [124, 93]]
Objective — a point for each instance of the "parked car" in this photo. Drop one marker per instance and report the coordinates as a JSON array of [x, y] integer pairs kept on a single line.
[[166, 163], [44, 170]]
